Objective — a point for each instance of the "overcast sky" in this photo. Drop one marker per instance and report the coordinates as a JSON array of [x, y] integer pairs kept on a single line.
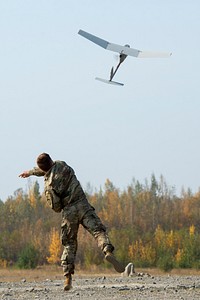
[[50, 101]]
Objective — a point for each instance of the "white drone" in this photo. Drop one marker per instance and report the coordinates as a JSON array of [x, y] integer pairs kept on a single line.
[[123, 51]]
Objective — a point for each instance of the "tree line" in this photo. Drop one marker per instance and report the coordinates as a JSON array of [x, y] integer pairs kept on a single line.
[[148, 224]]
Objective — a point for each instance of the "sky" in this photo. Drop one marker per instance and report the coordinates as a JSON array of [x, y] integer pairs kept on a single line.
[[50, 101]]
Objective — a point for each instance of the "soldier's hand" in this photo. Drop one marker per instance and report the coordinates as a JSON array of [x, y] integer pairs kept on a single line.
[[25, 174]]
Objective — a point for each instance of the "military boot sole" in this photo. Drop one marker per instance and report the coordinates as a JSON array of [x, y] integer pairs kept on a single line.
[[116, 264]]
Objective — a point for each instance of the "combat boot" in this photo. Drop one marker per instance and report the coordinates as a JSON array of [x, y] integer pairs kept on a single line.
[[109, 256], [68, 282]]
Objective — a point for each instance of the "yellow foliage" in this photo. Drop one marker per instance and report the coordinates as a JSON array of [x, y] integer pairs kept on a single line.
[[178, 255], [192, 230], [142, 252], [112, 213], [170, 239], [54, 248], [3, 263], [38, 237], [159, 235], [32, 199]]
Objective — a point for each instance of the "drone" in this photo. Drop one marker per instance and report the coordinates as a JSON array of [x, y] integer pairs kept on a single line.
[[123, 51]]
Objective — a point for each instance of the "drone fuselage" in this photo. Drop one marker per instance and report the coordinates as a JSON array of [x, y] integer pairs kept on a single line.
[[122, 57]]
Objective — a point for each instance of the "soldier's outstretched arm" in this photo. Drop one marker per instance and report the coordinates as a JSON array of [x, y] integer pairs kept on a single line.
[[24, 174], [35, 171]]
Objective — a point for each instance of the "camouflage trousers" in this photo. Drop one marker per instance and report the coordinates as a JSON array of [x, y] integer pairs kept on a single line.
[[73, 215]]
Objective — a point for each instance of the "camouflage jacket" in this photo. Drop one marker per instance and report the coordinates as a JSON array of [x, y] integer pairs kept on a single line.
[[60, 184]]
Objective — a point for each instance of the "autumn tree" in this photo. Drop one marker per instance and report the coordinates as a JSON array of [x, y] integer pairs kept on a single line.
[[54, 247]]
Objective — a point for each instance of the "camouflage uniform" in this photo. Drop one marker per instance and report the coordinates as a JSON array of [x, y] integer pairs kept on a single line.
[[61, 182]]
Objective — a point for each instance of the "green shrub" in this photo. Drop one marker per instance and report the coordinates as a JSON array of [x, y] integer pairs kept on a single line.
[[165, 262], [28, 258], [186, 261]]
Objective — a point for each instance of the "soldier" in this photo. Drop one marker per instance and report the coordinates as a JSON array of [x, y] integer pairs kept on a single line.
[[64, 193]]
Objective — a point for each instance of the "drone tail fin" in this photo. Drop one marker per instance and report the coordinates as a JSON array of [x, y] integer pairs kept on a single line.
[[111, 73], [109, 81]]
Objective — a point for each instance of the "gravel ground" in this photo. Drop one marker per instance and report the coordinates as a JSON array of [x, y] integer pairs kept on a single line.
[[140, 286]]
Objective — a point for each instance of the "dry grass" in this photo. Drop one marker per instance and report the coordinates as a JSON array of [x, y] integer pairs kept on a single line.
[[45, 272], [41, 273], [55, 273]]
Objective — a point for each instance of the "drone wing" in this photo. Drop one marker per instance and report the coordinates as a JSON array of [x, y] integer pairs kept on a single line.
[[121, 49]]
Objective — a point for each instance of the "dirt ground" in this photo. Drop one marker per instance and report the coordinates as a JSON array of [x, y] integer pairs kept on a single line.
[[47, 283]]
